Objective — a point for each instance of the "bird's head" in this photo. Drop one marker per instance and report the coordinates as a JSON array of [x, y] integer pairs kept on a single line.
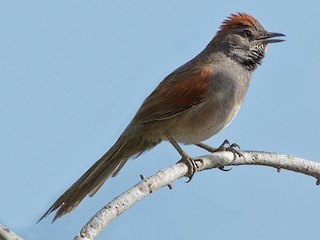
[[245, 40]]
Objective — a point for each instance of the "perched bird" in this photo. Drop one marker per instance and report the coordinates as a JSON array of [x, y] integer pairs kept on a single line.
[[191, 104]]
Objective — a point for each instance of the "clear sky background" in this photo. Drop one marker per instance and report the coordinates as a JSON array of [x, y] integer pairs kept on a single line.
[[73, 74]]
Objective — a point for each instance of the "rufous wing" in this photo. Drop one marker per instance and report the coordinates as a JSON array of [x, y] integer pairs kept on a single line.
[[175, 94]]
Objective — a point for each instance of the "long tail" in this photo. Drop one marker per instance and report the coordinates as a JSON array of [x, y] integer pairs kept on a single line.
[[90, 182]]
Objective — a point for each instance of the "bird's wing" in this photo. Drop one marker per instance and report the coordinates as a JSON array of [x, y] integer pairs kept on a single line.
[[178, 92]]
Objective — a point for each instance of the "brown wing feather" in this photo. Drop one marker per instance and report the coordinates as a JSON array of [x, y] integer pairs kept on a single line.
[[179, 91]]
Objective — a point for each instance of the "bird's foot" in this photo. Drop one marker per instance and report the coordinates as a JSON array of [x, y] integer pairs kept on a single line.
[[192, 166], [225, 146], [190, 162]]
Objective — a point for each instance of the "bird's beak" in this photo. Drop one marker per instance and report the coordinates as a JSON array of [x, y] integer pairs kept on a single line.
[[266, 38]]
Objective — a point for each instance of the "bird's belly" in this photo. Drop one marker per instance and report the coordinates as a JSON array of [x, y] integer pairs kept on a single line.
[[197, 127]]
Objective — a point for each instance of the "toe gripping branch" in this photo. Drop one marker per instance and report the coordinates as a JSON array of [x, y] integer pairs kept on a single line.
[[189, 161], [192, 163], [225, 146]]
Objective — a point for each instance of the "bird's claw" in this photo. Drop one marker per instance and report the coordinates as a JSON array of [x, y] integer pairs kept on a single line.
[[192, 166], [225, 170], [225, 146], [230, 148]]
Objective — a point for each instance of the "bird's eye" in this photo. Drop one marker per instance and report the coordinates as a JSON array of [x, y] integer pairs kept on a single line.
[[247, 33]]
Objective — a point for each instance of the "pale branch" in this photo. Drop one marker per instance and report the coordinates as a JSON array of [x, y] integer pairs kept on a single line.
[[7, 234], [167, 175]]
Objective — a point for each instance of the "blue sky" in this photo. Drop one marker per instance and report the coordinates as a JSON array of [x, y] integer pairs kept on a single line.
[[73, 74]]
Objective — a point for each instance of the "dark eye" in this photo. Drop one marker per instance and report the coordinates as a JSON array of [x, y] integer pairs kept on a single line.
[[247, 33]]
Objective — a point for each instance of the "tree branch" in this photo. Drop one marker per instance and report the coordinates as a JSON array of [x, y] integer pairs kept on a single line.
[[167, 175], [7, 234]]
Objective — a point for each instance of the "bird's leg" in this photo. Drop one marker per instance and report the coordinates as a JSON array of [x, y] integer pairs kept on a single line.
[[207, 147], [191, 163], [225, 146]]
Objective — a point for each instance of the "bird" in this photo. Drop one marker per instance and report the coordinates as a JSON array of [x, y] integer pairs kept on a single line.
[[190, 105]]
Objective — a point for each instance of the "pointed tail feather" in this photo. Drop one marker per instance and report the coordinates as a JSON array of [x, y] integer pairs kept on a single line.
[[89, 183]]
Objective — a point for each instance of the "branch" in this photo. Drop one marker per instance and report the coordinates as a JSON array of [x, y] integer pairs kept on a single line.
[[7, 234], [167, 175]]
